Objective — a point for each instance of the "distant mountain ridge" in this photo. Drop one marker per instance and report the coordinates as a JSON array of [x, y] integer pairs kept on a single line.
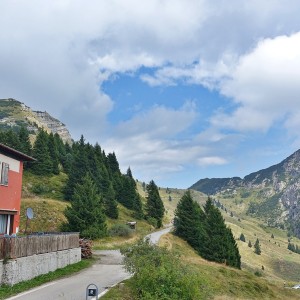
[[277, 190], [14, 113]]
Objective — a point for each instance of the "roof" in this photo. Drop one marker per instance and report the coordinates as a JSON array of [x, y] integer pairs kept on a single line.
[[15, 153]]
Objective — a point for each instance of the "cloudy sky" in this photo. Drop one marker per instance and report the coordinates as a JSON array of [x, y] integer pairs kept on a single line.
[[180, 90]]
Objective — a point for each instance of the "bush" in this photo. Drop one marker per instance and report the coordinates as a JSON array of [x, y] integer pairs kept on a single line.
[[258, 273], [159, 274], [152, 221], [40, 188], [120, 230], [92, 233]]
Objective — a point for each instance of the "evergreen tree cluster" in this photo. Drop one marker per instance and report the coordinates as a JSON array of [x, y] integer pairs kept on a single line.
[[18, 140], [205, 231], [48, 149], [77, 160], [293, 248]]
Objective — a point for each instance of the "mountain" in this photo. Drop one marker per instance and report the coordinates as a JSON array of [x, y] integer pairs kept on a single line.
[[14, 114], [272, 194]]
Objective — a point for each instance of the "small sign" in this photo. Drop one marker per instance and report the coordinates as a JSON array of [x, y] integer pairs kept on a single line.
[[91, 291]]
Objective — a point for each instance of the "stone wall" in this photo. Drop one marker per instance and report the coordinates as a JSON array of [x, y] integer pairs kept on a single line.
[[25, 268]]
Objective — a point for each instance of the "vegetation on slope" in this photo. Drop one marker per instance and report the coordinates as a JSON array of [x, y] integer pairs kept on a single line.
[[205, 280], [205, 231]]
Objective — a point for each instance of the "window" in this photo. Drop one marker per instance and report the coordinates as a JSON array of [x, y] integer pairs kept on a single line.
[[3, 224], [4, 174]]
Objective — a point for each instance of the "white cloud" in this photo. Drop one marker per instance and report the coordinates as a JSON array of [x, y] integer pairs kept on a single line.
[[149, 142], [211, 160], [55, 56], [264, 85]]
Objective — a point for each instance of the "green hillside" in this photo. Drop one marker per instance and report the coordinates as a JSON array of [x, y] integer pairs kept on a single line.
[[214, 281], [279, 263]]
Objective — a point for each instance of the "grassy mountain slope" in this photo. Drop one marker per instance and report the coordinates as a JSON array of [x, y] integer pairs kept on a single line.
[[216, 281], [280, 265], [272, 193]]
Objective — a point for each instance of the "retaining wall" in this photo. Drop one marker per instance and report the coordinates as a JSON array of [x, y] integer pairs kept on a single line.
[[20, 269]]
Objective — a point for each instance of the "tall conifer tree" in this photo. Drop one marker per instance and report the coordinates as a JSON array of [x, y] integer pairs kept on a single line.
[[54, 155], [189, 221], [79, 168], [154, 205], [43, 163], [86, 214]]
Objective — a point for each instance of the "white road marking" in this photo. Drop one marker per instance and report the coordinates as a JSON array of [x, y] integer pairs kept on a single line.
[[31, 291]]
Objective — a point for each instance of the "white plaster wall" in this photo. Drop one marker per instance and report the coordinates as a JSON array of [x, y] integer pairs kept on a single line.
[[14, 165], [25, 268]]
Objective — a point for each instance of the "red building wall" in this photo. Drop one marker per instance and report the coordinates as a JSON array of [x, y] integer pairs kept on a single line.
[[10, 197]]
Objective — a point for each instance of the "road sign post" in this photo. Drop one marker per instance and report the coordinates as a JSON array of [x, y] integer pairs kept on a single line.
[[91, 291]]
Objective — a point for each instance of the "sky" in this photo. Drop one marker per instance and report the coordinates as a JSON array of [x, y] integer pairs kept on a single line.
[[179, 90]]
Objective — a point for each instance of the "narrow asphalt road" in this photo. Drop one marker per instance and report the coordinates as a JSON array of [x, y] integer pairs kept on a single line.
[[107, 272]]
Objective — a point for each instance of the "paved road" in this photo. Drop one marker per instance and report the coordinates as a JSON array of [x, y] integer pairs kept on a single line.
[[106, 272], [155, 236]]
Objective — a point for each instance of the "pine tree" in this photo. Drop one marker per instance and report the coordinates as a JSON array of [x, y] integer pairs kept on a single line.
[[79, 168], [220, 245], [257, 249], [43, 165], [110, 204], [61, 149], [138, 207], [11, 139], [25, 141], [154, 205], [242, 238], [249, 244], [115, 175], [54, 155], [189, 222], [232, 257], [86, 214]]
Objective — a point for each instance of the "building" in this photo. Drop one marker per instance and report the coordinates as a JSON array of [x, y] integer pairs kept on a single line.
[[11, 171]]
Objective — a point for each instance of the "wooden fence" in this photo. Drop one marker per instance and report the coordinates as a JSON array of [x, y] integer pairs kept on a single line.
[[14, 247]]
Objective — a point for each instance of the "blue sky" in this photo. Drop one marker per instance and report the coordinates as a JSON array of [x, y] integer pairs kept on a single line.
[[180, 90]]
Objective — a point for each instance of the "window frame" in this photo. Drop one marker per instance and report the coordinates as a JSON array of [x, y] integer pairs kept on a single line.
[[4, 171]]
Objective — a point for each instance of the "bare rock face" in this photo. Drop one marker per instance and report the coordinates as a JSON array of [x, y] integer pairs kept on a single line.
[[54, 125], [15, 113]]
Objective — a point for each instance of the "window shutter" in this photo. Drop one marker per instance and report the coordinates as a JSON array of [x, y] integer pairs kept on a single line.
[[4, 173]]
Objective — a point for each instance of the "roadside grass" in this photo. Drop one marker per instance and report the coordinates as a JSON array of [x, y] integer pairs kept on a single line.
[[9, 291], [216, 281]]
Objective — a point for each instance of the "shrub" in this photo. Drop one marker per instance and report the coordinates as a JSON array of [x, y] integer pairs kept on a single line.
[[40, 188], [92, 233], [152, 221], [159, 274], [258, 273], [120, 230]]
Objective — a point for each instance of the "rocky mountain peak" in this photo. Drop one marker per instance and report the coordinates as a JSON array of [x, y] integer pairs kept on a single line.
[[15, 113]]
